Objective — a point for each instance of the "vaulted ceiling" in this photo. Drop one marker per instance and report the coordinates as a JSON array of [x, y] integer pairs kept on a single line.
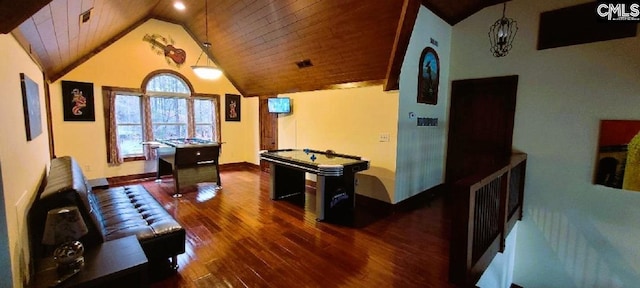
[[256, 42]]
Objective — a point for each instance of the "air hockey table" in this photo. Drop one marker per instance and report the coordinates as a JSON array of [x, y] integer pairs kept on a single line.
[[335, 184]]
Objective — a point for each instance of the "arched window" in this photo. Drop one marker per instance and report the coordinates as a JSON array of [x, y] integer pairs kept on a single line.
[[165, 107], [169, 97], [167, 83]]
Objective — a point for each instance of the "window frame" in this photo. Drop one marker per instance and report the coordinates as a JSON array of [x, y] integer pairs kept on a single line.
[[141, 124], [170, 96], [107, 91], [215, 129], [215, 100]]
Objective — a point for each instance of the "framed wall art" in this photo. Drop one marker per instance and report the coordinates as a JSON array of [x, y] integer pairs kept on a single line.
[[428, 76], [78, 101], [618, 156], [31, 106], [232, 107]]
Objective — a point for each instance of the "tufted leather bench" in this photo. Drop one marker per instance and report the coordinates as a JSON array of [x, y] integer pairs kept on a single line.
[[111, 213]]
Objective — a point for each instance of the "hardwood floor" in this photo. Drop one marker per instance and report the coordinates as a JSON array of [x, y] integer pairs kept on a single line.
[[238, 237]]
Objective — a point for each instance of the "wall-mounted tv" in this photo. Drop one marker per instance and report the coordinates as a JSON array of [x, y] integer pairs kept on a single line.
[[279, 105]]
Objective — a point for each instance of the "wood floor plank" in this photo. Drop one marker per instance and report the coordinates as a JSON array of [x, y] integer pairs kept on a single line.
[[238, 237]]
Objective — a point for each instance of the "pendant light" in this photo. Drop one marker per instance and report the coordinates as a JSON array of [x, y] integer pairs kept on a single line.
[[501, 34], [208, 71]]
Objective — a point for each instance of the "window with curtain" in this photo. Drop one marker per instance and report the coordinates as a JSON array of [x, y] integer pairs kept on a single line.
[[129, 125], [165, 108]]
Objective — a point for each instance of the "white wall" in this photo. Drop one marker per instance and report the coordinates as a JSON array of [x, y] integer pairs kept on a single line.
[[421, 150], [348, 121], [24, 163], [126, 63], [574, 233]]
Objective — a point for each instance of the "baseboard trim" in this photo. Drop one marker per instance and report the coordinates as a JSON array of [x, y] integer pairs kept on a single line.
[[239, 166], [127, 179], [130, 179], [420, 199]]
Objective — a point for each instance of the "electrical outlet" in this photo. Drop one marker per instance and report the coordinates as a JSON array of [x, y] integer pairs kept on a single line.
[[87, 168], [384, 137]]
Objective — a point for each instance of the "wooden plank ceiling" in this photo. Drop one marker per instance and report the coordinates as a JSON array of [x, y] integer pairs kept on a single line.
[[256, 42]]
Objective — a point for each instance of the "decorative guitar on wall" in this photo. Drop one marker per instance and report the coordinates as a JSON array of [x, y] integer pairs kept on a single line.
[[165, 46]]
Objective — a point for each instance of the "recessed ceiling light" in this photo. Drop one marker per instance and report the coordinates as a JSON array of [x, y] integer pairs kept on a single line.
[[179, 5]]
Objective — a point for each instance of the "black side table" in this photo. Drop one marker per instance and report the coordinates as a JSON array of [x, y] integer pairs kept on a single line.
[[99, 183], [112, 263]]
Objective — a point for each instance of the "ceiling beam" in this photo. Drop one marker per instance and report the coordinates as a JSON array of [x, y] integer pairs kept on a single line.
[[407, 20], [13, 13]]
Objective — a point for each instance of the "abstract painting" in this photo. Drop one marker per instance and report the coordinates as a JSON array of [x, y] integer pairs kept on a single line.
[[31, 106], [618, 158]]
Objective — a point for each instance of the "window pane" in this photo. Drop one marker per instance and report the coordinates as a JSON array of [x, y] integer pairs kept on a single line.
[[204, 132], [168, 110], [169, 131], [203, 111], [130, 139], [128, 109], [167, 83]]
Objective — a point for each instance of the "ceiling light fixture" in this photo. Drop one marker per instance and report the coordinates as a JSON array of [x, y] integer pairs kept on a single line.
[[208, 71], [501, 34], [179, 5]]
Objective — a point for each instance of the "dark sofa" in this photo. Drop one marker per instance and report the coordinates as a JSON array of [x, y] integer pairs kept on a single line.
[[109, 213]]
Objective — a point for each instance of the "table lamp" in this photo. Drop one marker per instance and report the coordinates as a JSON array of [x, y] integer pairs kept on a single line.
[[63, 227]]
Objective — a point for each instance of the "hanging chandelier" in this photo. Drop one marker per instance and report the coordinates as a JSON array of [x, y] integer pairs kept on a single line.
[[208, 71], [501, 34]]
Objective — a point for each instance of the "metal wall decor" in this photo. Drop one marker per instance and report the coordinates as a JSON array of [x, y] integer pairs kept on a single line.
[[164, 46]]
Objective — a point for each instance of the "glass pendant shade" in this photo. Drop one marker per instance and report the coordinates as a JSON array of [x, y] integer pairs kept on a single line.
[[208, 71]]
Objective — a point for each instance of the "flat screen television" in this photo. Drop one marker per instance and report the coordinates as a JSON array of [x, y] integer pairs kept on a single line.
[[279, 105]]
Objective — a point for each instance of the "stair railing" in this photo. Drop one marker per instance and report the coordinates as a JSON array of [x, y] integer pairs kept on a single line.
[[485, 209]]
